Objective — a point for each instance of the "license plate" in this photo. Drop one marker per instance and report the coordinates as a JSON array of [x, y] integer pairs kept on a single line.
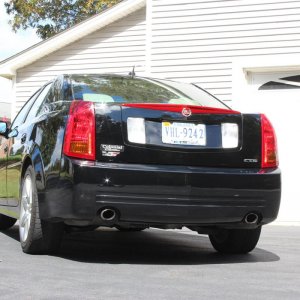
[[183, 133]]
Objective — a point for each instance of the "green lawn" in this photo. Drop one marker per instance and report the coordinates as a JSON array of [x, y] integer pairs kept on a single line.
[[12, 184], [2, 184]]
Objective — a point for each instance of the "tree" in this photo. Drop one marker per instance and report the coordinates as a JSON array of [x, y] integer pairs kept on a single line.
[[50, 17]]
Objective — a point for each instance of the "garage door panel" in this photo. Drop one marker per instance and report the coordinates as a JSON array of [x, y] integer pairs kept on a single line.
[[281, 103]]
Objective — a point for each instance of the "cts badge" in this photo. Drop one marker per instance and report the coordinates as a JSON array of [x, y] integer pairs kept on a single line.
[[250, 160], [186, 112]]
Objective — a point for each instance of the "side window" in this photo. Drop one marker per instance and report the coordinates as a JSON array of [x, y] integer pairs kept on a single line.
[[53, 96], [20, 118], [36, 107], [66, 91]]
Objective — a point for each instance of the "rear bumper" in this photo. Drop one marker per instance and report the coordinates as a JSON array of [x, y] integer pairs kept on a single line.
[[156, 194]]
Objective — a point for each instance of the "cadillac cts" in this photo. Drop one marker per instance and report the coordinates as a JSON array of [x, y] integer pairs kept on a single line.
[[133, 153]]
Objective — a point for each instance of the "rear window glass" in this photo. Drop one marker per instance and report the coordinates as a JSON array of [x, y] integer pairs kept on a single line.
[[125, 89]]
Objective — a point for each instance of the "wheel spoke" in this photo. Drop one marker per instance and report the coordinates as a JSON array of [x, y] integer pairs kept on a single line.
[[27, 227], [26, 207], [24, 202], [28, 188], [24, 219]]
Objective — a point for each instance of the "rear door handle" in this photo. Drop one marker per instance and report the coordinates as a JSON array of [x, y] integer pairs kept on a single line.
[[5, 148], [23, 138]]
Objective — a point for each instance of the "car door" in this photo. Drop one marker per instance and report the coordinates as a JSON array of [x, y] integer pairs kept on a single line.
[[48, 125], [3, 162], [15, 150]]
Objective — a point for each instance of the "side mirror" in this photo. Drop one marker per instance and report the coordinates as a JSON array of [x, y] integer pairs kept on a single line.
[[13, 133], [3, 128]]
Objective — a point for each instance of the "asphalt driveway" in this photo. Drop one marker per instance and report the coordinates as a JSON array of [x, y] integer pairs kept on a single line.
[[154, 264]]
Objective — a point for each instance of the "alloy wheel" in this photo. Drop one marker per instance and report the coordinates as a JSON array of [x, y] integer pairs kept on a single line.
[[26, 208]]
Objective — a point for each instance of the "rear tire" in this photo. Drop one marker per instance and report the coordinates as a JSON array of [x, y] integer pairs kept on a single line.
[[6, 222], [36, 235], [235, 241]]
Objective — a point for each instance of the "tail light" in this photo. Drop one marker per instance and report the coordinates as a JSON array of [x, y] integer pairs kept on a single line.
[[80, 131], [269, 145]]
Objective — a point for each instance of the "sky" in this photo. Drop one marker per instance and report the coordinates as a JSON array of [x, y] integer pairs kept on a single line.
[[12, 43]]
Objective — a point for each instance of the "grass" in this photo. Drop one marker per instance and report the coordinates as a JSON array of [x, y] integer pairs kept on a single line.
[[12, 184], [2, 184]]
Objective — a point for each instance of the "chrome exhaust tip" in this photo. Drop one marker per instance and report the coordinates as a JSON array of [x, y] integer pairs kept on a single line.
[[108, 215], [251, 218]]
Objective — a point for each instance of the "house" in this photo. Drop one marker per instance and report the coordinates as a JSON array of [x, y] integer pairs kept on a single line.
[[245, 52], [5, 97]]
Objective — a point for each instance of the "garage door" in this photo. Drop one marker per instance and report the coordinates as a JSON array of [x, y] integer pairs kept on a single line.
[[278, 96]]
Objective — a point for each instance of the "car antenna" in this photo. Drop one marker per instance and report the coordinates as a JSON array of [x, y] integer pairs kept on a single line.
[[132, 73]]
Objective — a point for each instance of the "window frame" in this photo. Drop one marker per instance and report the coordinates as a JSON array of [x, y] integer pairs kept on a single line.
[[42, 99], [32, 98]]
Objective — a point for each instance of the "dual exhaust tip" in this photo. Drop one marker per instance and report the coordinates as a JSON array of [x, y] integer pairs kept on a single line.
[[110, 216], [251, 218]]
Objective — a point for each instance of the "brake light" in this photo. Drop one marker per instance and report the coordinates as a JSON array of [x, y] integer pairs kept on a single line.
[[80, 131], [179, 107], [269, 144]]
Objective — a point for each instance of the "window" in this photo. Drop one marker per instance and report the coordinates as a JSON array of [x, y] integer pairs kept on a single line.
[[126, 89], [20, 118], [51, 98], [285, 83], [34, 109]]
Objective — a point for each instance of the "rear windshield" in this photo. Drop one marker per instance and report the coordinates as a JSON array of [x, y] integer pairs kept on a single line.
[[109, 89]]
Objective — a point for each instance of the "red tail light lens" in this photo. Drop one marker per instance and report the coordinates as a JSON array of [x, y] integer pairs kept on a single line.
[[269, 144], [80, 131]]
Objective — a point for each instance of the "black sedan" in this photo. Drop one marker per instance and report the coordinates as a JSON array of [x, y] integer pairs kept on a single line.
[[133, 153]]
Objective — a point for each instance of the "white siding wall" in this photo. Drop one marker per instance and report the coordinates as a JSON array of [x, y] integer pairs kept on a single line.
[[196, 40], [115, 48], [5, 97], [189, 40]]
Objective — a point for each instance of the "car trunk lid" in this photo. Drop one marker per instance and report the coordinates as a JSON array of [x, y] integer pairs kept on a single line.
[[173, 134]]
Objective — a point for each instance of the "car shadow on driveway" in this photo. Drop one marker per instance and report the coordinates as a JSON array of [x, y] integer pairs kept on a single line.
[[152, 246]]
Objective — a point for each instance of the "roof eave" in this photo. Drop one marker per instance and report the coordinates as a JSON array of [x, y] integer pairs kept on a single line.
[[8, 67], [7, 73]]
